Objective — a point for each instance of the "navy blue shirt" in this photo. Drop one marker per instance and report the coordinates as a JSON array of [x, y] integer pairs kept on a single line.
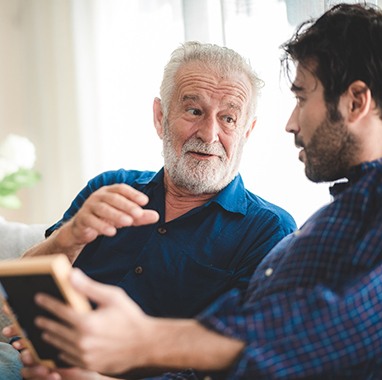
[[313, 308], [179, 267]]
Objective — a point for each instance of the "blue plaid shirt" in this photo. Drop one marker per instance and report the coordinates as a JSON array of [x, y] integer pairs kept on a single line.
[[314, 305]]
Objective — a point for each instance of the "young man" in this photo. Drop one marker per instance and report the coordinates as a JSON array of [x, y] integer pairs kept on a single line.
[[177, 239], [313, 309]]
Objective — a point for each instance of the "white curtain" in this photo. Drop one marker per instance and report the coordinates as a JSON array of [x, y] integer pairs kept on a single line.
[[79, 77], [38, 95]]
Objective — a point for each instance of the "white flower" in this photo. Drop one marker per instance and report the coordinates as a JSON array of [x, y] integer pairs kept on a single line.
[[16, 152], [17, 158], [6, 168]]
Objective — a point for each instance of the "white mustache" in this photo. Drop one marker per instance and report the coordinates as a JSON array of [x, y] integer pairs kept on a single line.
[[195, 145]]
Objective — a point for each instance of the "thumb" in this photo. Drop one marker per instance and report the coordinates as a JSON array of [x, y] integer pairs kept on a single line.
[[95, 291]]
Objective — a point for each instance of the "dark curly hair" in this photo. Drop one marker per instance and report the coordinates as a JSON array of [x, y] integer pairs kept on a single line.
[[345, 44]]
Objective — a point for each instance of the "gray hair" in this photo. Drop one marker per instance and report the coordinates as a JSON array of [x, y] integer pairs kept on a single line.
[[221, 59]]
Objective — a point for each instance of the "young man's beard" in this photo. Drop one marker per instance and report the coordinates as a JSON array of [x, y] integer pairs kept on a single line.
[[331, 150]]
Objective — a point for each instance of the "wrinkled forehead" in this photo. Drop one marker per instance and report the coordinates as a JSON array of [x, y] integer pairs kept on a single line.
[[220, 72], [195, 76]]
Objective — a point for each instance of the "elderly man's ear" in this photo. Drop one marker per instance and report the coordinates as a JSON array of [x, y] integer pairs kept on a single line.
[[158, 117], [250, 129]]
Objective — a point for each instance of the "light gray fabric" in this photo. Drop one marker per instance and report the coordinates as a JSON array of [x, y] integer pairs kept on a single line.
[[16, 238], [10, 364]]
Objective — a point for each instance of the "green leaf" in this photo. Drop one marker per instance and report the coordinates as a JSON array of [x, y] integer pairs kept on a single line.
[[10, 201], [15, 181]]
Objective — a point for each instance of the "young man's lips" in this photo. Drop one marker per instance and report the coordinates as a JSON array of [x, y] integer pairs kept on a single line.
[[301, 155]]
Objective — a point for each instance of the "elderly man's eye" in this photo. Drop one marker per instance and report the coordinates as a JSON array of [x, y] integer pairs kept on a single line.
[[194, 111], [229, 119]]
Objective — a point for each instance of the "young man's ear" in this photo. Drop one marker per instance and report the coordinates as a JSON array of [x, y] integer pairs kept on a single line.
[[359, 100], [158, 117]]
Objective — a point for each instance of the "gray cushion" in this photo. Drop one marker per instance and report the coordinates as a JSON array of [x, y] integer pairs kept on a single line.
[[15, 238]]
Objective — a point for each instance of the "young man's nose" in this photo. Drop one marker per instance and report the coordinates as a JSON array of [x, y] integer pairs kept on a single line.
[[292, 123]]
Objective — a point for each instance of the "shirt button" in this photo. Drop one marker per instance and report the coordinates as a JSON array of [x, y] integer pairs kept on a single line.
[[162, 230], [268, 272], [138, 270]]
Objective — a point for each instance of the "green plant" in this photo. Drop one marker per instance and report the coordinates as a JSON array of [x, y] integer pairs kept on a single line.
[[17, 158]]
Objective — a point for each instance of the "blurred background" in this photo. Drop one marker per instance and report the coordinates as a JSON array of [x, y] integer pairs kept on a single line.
[[78, 78]]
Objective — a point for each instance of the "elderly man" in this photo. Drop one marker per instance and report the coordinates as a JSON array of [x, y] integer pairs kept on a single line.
[[177, 239]]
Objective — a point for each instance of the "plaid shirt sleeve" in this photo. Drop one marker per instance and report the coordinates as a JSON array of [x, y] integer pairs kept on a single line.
[[303, 332]]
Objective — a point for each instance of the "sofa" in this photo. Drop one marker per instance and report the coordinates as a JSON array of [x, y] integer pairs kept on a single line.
[[15, 238]]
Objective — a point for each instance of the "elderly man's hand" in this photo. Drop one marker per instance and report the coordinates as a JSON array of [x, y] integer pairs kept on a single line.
[[33, 371], [109, 208]]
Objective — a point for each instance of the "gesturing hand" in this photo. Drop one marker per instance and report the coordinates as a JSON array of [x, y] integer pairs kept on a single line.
[[106, 210]]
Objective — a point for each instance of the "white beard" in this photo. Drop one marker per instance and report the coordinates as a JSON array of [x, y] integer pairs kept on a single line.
[[200, 176]]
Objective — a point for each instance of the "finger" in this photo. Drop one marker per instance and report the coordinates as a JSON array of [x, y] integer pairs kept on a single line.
[[6, 309], [27, 358], [95, 291], [104, 217], [39, 373], [122, 198], [19, 344], [10, 331], [115, 209], [71, 359], [64, 340], [34, 371], [129, 192], [56, 308], [87, 227], [60, 337], [147, 217]]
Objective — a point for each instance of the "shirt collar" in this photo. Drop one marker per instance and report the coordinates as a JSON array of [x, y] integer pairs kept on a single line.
[[353, 175], [155, 178], [232, 198]]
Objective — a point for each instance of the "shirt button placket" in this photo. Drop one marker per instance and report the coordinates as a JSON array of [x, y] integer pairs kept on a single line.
[[162, 230]]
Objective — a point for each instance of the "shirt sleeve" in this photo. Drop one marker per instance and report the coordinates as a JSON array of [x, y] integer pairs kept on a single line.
[[304, 332]]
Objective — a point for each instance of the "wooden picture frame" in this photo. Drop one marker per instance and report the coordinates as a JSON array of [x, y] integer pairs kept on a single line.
[[21, 279]]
